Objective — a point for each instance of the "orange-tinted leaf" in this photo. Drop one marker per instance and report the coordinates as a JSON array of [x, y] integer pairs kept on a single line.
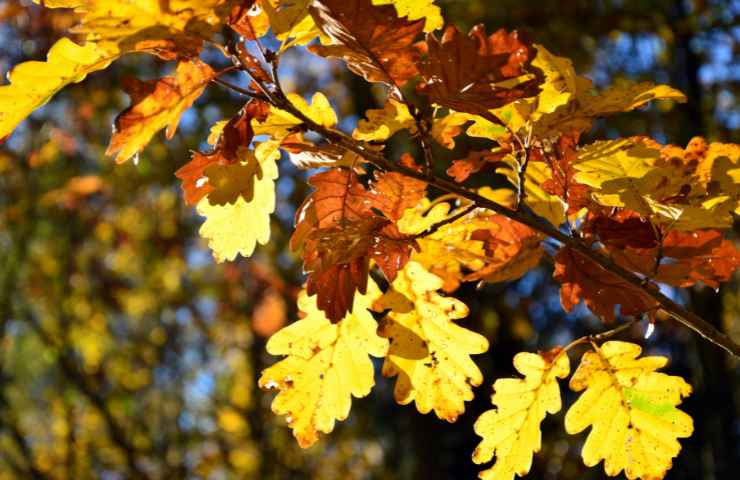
[[685, 259], [156, 104], [512, 249], [562, 183], [463, 168], [394, 193], [236, 133], [339, 233], [248, 19], [475, 73], [583, 279], [374, 42], [624, 229]]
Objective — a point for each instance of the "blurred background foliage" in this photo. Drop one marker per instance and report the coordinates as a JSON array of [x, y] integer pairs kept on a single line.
[[126, 352]]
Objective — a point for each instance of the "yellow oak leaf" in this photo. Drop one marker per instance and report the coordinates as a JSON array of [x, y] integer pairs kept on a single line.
[[428, 351], [235, 228], [544, 204], [511, 431], [327, 364], [684, 189], [381, 124], [586, 105], [558, 88], [147, 25], [111, 29], [446, 128], [449, 251], [621, 172], [416, 9], [33, 84], [279, 123], [291, 21], [631, 409], [157, 104], [234, 181], [560, 80]]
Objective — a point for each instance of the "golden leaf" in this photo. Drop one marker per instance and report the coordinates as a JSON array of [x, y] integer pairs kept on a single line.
[[111, 29], [326, 365], [450, 250], [428, 352], [279, 123], [157, 104], [381, 124], [416, 9], [33, 84], [631, 409], [235, 228], [685, 189], [511, 431], [291, 20], [586, 105]]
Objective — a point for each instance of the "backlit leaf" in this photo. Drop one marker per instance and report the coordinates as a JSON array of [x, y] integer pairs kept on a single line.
[[475, 73], [381, 124], [429, 352], [511, 431], [631, 409], [374, 42], [326, 365], [583, 279], [236, 228], [156, 104], [417, 9]]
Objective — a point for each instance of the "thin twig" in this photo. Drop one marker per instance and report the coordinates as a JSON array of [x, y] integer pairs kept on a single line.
[[431, 230], [600, 337]]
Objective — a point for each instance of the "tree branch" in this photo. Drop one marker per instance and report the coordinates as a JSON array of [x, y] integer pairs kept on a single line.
[[680, 314]]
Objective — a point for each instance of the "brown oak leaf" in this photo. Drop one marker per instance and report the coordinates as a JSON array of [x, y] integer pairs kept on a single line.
[[374, 42], [476, 73], [236, 133], [339, 232], [512, 249], [583, 279], [561, 162], [684, 259]]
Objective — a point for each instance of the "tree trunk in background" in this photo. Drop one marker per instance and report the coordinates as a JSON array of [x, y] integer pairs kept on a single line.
[[715, 417]]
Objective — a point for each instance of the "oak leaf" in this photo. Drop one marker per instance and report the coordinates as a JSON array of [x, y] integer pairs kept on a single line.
[[428, 351], [326, 365], [417, 9], [290, 21], [281, 124], [682, 189], [339, 233], [446, 128], [586, 105], [475, 73], [374, 42], [236, 228], [110, 30], [680, 258], [156, 104], [512, 250], [583, 279], [381, 124], [229, 137], [511, 431], [631, 409]]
